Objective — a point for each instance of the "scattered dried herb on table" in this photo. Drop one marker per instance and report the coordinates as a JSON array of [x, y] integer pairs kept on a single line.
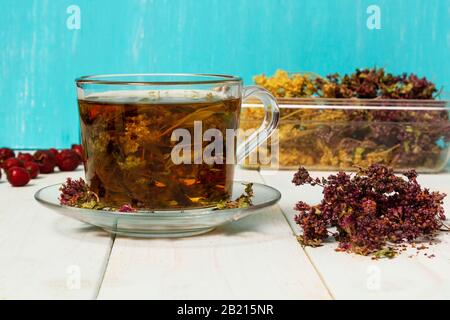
[[373, 211], [76, 193], [243, 201], [336, 138]]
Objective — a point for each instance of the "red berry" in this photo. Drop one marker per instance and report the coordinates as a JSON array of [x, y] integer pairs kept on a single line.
[[54, 151], [12, 162], [6, 153], [79, 151], [67, 160], [45, 160], [17, 176], [25, 157], [32, 168]]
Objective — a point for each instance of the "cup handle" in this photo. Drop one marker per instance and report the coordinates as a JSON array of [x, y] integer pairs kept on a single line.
[[270, 122]]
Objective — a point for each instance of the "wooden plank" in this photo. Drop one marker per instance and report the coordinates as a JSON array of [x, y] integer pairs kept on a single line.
[[256, 258], [350, 276], [42, 254]]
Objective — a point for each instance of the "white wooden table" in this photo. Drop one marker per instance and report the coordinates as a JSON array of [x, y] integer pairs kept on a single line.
[[44, 255]]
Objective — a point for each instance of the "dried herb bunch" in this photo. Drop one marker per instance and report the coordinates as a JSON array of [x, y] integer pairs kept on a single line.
[[76, 193], [341, 138], [372, 210]]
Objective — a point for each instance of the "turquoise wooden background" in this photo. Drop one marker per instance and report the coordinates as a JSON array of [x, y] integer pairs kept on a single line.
[[40, 56]]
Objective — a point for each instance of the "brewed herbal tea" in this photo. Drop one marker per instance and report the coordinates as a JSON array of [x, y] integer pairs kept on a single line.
[[127, 140]]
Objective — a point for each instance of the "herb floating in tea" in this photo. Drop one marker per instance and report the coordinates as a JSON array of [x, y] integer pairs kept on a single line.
[[373, 211], [129, 146], [76, 193]]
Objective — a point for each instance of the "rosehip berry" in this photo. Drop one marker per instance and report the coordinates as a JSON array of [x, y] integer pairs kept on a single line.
[[32, 168], [79, 151], [18, 176], [54, 151], [45, 160], [25, 157], [12, 162], [67, 160], [6, 153]]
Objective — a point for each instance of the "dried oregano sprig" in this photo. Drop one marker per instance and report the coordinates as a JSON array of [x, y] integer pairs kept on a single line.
[[243, 201], [372, 210], [367, 83], [76, 193]]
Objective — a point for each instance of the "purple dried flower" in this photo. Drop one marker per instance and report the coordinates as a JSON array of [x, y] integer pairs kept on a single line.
[[127, 208], [369, 210]]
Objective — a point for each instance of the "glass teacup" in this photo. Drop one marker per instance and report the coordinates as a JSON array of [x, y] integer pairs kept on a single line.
[[166, 141]]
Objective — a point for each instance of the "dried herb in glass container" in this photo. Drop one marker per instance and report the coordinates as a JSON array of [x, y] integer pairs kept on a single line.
[[128, 145], [76, 193], [367, 117]]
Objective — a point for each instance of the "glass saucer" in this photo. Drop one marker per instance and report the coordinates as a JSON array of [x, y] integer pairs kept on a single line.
[[179, 223]]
